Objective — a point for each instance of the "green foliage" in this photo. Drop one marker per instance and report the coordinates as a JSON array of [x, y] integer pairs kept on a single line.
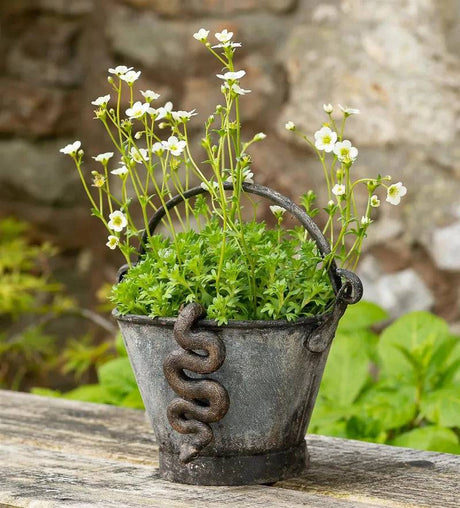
[[289, 283], [116, 386], [22, 271], [26, 297], [29, 302], [81, 354], [402, 388]]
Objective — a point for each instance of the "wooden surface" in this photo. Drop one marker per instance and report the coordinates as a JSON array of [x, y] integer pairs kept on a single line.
[[56, 452]]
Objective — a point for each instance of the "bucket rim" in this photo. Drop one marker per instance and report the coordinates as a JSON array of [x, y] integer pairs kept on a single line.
[[232, 323]]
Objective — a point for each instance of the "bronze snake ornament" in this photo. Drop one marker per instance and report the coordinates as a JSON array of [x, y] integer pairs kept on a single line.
[[203, 401]]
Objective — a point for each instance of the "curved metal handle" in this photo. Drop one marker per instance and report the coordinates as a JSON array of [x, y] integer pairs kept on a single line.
[[260, 190]]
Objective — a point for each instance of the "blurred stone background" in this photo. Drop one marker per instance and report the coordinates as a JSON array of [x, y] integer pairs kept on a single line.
[[396, 60]]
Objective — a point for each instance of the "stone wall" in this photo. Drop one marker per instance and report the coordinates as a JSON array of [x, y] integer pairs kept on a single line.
[[396, 60]]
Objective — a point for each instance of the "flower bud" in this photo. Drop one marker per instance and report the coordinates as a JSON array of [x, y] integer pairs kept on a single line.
[[101, 113], [260, 136], [372, 185]]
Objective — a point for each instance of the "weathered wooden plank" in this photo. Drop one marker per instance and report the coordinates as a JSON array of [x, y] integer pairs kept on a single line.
[[55, 452]]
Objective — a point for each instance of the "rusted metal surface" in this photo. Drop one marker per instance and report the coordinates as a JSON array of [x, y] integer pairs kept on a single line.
[[203, 401]]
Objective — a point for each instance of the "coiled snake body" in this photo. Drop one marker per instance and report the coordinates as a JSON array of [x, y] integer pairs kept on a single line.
[[204, 400]]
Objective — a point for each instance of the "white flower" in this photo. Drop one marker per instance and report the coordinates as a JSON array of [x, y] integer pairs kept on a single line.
[[277, 210], [375, 201], [223, 36], [260, 136], [237, 89], [349, 111], [150, 95], [101, 101], [248, 176], [103, 158], [231, 76], [117, 221], [325, 139], [137, 110], [209, 186], [290, 126], [227, 45], [174, 146], [71, 149], [122, 170], [120, 70], [139, 155], [395, 192], [345, 151], [338, 189], [365, 221], [164, 110], [112, 242], [98, 179], [130, 77], [157, 148], [328, 108], [181, 116], [201, 35]]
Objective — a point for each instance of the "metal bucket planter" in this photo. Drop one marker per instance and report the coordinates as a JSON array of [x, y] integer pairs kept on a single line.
[[246, 423]]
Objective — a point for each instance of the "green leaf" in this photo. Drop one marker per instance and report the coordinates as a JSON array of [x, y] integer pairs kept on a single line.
[[328, 418], [120, 345], [117, 376], [335, 429], [362, 315], [46, 392], [92, 393], [393, 407], [347, 370], [133, 400], [437, 439], [418, 334], [442, 406], [366, 429]]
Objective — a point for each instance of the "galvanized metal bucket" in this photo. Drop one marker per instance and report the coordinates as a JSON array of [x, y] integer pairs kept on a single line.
[[246, 423]]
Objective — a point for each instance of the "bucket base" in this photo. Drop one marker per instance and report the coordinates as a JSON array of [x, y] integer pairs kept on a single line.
[[235, 469]]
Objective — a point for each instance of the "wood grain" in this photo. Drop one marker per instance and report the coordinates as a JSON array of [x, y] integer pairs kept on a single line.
[[56, 452]]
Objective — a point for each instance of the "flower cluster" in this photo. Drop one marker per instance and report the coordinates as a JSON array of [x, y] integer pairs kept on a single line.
[[151, 162], [329, 141], [157, 166]]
